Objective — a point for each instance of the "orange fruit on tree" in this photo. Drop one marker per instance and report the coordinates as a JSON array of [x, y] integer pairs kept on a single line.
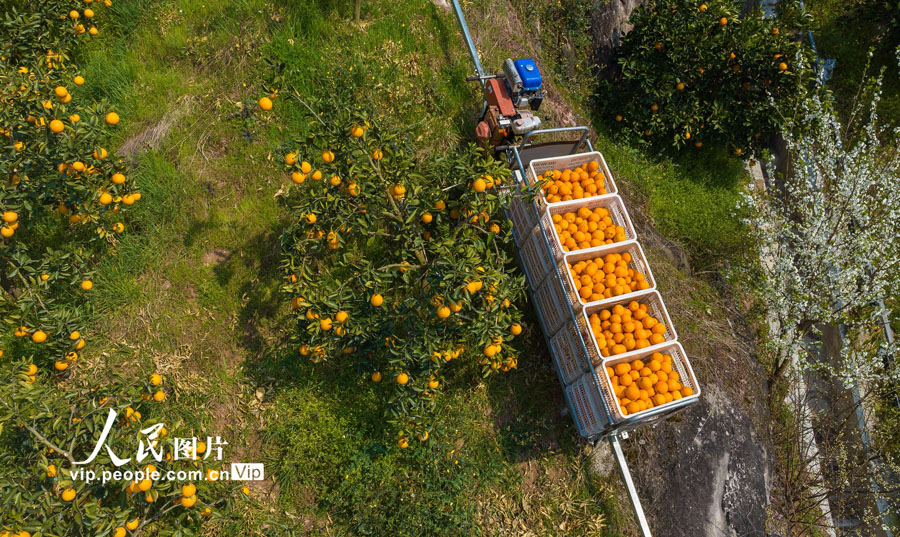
[[68, 495], [376, 376], [112, 118], [159, 396], [56, 126], [376, 300], [402, 378]]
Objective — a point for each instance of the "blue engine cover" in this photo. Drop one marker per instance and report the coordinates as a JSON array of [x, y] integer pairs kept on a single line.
[[531, 77]]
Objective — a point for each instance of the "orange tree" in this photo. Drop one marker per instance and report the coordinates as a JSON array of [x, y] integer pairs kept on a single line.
[[693, 72], [50, 420], [395, 264], [61, 191]]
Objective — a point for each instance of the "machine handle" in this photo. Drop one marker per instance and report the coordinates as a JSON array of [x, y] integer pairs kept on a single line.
[[584, 129], [484, 77]]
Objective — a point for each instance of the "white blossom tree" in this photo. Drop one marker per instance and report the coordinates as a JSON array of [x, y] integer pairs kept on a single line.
[[829, 257], [830, 245]]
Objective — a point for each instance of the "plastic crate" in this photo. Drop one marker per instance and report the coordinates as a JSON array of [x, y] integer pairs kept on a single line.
[[537, 167], [656, 308], [617, 213], [535, 257], [638, 263], [680, 363], [568, 352], [554, 308], [523, 215], [587, 407]]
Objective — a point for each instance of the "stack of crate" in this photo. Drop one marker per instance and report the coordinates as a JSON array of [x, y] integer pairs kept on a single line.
[[564, 315]]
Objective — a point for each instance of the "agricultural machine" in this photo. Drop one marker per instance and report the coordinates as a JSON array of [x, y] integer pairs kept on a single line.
[[508, 127]]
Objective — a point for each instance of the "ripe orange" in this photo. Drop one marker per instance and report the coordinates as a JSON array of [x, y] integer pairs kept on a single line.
[[68, 495], [79, 80], [61, 365], [133, 524], [377, 154], [723, 21], [357, 132], [402, 378], [56, 126], [403, 443], [51, 470], [155, 379], [325, 324], [188, 490], [515, 329], [39, 336], [188, 501], [376, 376], [427, 218], [265, 104], [423, 436], [119, 532], [159, 396], [782, 66], [479, 185], [376, 300], [112, 118], [290, 159], [443, 312]]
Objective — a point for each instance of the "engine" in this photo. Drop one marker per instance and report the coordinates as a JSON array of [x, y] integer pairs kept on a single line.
[[511, 100]]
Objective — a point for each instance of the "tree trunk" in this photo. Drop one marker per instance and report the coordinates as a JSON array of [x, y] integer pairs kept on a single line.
[[356, 6]]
